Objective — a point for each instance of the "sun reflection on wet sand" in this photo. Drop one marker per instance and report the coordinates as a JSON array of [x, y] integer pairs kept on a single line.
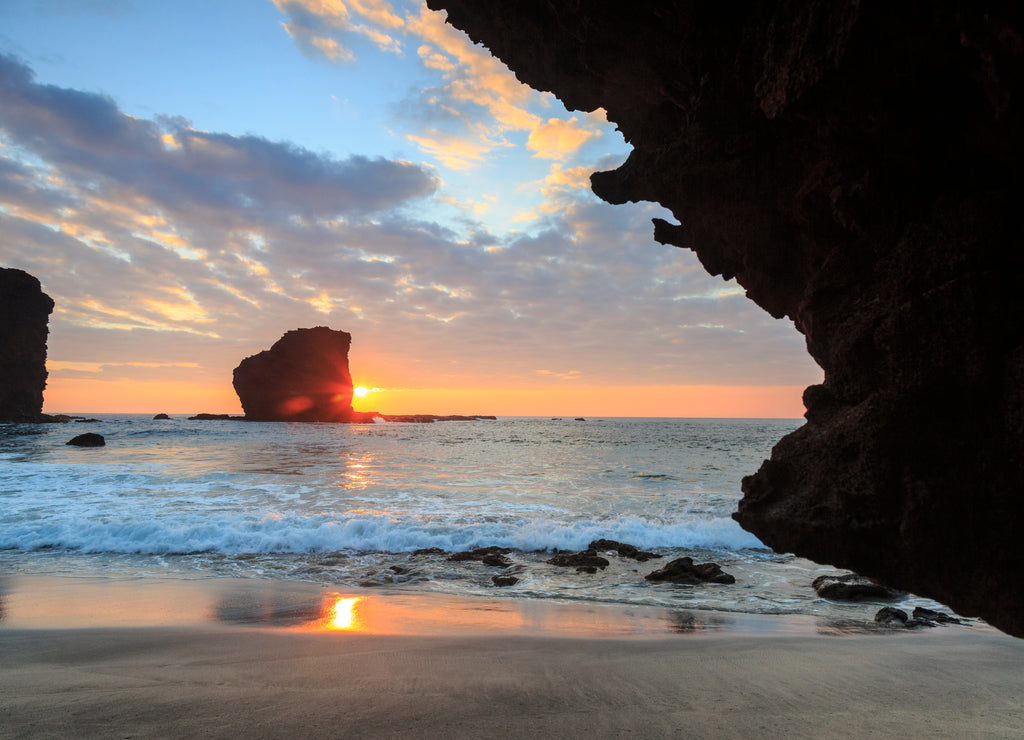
[[426, 614], [345, 614], [55, 602]]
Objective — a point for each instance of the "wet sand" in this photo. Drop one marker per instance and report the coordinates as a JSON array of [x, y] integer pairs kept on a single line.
[[260, 666]]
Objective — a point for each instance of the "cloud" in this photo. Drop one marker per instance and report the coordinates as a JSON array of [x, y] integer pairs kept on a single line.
[[574, 178], [473, 101], [188, 250], [558, 138], [321, 29], [453, 151], [98, 146]]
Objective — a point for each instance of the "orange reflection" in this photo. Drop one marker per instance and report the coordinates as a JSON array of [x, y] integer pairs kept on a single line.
[[407, 613], [344, 614]]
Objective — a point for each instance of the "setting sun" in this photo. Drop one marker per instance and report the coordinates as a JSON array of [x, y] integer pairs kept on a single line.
[[360, 391]]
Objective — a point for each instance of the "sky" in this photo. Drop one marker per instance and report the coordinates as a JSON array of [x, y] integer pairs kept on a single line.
[[190, 180]]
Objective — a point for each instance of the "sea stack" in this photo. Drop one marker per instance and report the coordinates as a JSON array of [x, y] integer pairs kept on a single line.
[[856, 167], [304, 376], [24, 313]]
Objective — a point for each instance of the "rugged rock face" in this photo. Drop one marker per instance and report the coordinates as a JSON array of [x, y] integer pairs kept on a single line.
[[304, 376], [24, 312], [856, 166]]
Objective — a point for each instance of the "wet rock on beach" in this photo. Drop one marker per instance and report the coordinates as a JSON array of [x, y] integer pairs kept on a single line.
[[851, 587], [580, 560], [686, 572], [493, 556], [624, 549]]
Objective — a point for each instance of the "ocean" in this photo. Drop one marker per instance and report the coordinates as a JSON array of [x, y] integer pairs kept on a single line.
[[349, 506]]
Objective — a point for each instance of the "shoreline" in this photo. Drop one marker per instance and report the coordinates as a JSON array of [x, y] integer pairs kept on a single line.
[[51, 602], [226, 657], [55, 603]]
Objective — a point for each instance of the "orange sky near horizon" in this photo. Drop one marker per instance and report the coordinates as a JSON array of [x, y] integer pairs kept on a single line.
[[86, 396]]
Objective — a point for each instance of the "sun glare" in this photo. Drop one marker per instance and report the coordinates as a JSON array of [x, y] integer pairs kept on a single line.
[[343, 617], [360, 391]]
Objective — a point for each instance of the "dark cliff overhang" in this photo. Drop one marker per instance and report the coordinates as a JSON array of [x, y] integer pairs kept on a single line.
[[855, 166]]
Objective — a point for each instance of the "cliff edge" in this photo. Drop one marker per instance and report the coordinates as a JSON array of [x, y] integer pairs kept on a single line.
[[24, 314], [855, 166]]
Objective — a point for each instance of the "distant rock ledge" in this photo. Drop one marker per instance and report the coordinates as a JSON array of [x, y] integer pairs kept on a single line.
[[364, 417], [430, 418]]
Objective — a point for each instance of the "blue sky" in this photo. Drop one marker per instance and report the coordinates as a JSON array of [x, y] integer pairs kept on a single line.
[[190, 180]]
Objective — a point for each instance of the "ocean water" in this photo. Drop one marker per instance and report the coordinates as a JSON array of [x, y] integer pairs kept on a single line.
[[348, 506]]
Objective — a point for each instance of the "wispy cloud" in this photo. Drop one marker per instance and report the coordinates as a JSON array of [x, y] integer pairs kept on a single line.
[[97, 147], [175, 252], [558, 138], [473, 102], [322, 29]]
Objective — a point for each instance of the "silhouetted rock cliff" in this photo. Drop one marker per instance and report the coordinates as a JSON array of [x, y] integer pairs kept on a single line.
[[856, 166], [304, 376], [24, 312]]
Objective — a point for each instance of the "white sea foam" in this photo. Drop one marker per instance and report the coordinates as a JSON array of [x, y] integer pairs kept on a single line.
[[280, 492], [291, 533]]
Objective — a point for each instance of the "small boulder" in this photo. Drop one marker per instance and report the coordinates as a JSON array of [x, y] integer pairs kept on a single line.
[[428, 551], [496, 561], [921, 612], [504, 580], [851, 587], [586, 558], [891, 615], [624, 549], [684, 571], [493, 556], [89, 439], [159, 417]]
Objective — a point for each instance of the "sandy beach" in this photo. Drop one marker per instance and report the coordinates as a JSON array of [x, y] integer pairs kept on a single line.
[[562, 672]]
